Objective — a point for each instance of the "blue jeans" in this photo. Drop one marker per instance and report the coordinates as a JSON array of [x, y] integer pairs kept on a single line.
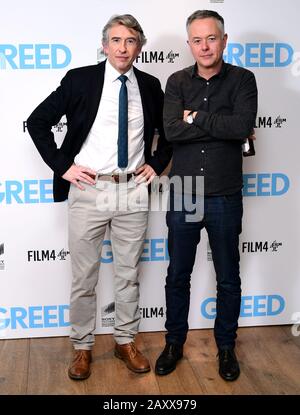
[[222, 220]]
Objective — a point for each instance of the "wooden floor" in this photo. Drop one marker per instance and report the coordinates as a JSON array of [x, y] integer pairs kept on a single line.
[[269, 359]]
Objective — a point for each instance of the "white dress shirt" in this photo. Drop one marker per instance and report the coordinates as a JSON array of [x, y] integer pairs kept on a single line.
[[100, 149]]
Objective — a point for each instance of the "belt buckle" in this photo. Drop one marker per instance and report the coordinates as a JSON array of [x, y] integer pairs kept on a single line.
[[104, 177], [122, 178], [114, 178]]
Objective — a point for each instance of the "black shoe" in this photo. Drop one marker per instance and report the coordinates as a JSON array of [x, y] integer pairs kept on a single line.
[[166, 362], [228, 365]]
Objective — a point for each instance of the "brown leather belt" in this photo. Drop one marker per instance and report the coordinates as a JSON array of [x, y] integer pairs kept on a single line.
[[115, 178]]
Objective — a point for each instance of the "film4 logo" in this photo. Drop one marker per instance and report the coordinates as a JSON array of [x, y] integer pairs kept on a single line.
[[260, 246], [47, 255], [147, 56], [152, 312], [60, 127], [269, 122], [157, 56]]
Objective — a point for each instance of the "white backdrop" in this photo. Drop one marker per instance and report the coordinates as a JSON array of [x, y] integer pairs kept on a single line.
[[39, 42]]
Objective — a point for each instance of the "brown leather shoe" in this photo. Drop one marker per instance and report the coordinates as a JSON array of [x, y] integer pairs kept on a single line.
[[133, 358], [80, 366]]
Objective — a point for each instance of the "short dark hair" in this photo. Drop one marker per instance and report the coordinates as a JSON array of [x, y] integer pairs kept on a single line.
[[204, 14], [126, 20]]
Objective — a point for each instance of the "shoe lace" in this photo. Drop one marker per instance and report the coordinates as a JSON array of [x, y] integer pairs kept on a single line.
[[80, 356], [133, 350], [225, 355], [169, 350]]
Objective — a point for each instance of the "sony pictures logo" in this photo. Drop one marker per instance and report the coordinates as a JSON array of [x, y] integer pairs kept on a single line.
[[209, 253], [2, 264], [269, 122], [107, 319], [47, 255]]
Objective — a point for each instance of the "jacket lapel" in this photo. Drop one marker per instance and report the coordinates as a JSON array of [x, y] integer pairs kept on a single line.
[[94, 94], [143, 87]]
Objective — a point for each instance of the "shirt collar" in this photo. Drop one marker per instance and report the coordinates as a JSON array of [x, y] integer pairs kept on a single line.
[[221, 74], [112, 74]]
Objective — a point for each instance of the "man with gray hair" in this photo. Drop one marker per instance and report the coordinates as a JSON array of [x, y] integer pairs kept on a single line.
[[105, 160], [209, 111]]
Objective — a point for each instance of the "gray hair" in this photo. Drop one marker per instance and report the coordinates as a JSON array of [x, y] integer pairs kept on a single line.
[[126, 20], [204, 14]]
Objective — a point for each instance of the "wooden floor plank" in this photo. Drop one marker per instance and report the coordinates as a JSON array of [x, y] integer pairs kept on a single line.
[[269, 358], [201, 351], [48, 363], [266, 368], [110, 374], [284, 354], [292, 333], [14, 355], [183, 380]]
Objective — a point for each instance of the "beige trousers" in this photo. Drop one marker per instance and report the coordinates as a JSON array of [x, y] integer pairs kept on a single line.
[[124, 209]]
